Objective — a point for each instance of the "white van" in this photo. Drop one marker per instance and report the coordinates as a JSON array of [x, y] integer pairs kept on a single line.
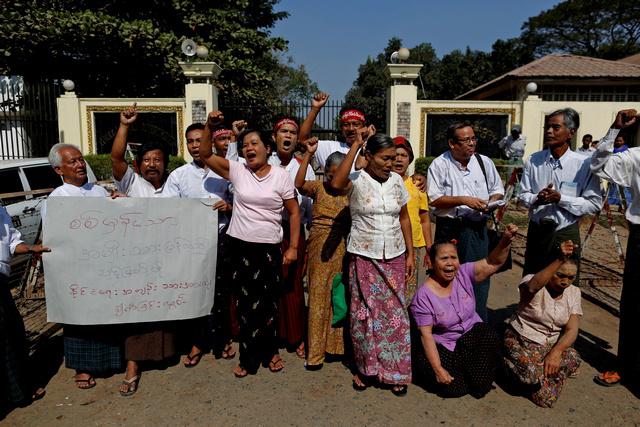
[[37, 179]]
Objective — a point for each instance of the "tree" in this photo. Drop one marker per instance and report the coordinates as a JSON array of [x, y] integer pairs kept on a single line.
[[292, 83], [127, 48], [369, 89], [598, 28]]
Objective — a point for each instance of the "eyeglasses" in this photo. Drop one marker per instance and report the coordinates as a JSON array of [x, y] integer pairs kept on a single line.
[[566, 276], [468, 140]]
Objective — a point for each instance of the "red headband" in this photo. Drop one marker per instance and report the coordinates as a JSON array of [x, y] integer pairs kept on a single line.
[[283, 122], [352, 115], [221, 132]]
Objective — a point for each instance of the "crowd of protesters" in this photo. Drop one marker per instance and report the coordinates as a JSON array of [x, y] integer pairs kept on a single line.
[[385, 296]]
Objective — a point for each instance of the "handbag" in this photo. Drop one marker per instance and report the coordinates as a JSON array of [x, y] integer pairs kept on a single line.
[[492, 232], [338, 300]]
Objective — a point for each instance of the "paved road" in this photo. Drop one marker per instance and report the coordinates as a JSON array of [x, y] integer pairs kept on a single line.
[[210, 395]]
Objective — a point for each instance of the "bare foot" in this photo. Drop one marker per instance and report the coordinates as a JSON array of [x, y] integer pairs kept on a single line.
[[240, 372]]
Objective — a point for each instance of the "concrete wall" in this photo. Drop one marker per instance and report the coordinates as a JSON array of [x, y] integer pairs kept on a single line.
[[76, 115]]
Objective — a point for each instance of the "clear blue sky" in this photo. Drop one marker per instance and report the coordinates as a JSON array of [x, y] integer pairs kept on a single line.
[[332, 38]]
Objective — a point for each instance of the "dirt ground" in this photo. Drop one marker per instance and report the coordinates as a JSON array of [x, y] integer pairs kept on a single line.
[[209, 394]]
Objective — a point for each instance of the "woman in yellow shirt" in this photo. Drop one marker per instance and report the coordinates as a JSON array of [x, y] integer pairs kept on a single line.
[[418, 209]]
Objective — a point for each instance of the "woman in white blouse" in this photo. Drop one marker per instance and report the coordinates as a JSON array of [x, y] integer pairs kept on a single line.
[[545, 325], [381, 250]]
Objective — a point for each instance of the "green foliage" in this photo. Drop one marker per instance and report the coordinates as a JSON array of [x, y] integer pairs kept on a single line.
[[599, 28], [422, 164], [291, 83], [127, 48], [175, 162], [101, 165]]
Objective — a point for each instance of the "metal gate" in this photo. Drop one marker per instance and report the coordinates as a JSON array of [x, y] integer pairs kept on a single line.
[[28, 117], [261, 116]]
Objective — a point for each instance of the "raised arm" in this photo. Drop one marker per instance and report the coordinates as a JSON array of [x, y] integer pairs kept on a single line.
[[318, 101], [488, 266], [118, 149], [617, 168], [300, 181], [218, 164], [340, 181], [542, 277]]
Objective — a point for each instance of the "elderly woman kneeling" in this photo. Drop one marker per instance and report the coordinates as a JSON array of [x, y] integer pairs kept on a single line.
[[457, 354], [538, 342]]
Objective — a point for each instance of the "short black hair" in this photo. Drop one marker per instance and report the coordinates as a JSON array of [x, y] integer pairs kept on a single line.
[[193, 126], [451, 130], [279, 117], [150, 146], [266, 139], [587, 136], [378, 142]]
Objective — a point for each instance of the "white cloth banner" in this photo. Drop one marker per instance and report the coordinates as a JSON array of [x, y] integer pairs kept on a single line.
[[129, 260]]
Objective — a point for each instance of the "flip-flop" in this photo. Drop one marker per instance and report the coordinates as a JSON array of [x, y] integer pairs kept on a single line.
[[399, 390], [607, 379], [132, 386], [228, 353], [276, 365], [359, 386], [197, 357], [90, 383], [38, 394]]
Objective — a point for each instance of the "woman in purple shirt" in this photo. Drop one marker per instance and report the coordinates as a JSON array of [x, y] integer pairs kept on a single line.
[[457, 354]]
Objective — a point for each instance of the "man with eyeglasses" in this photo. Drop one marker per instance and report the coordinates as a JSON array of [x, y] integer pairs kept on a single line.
[[558, 188], [460, 189]]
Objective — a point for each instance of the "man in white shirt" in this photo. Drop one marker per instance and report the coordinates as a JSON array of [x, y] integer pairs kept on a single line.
[[152, 160], [623, 169], [89, 350], [352, 118], [586, 149], [513, 145], [196, 180], [558, 188], [460, 189]]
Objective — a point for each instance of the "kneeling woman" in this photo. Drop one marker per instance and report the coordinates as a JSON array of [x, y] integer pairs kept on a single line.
[[538, 342], [456, 353], [381, 251], [254, 236]]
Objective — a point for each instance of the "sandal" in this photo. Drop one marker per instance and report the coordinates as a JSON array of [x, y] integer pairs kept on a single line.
[[607, 379], [358, 384], [240, 372], [229, 352], [276, 364], [85, 383], [132, 386], [190, 360], [399, 390], [39, 393]]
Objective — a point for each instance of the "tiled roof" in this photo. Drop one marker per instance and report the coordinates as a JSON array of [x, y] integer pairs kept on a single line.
[[633, 59], [568, 66]]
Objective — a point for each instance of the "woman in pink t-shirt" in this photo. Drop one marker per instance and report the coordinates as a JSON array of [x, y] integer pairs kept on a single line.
[[261, 192]]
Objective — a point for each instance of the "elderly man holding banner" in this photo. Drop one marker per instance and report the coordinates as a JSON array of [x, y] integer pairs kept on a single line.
[[91, 349], [623, 168]]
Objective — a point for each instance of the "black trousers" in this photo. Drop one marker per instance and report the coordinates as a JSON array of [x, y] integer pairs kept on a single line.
[[472, 364], [629, 339]]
